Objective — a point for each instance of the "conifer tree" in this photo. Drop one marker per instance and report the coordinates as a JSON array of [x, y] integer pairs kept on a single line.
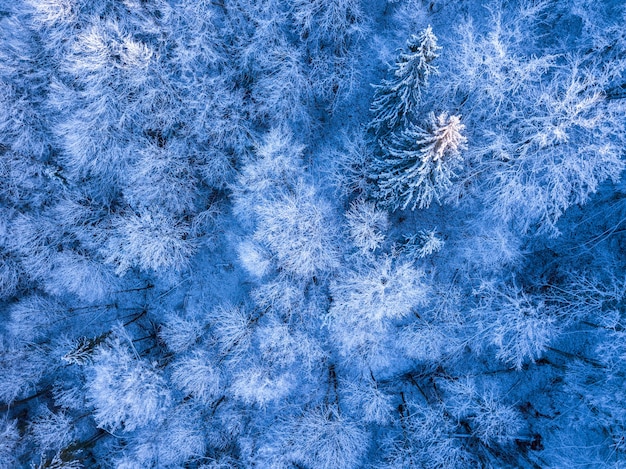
[[419, 163], [395, 100]]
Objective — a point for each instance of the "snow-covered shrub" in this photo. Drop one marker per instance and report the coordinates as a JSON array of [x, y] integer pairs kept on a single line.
[[545, 134], [162, 176], [31, 317], [418, 165], [296, 229], [256, 384], [232, 329], [372, 403], [176, 441], [150, 240], [381, 291], [426, 342], [519, 325], [349, 164], [365, 304], [22, 367], [179, 333], [197, 376], [24, 74], [429, 439], [277, 166], [328, 24], [422, 244], [490, 419], [52, 431], [323, 438], [496, 423], [277, 344], [282, 90], [254, 258], [367, 225], [125, 391], [9, 439], [9, 276]]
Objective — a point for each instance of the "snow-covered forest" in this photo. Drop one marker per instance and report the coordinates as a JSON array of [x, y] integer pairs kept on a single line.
[[312, 234]]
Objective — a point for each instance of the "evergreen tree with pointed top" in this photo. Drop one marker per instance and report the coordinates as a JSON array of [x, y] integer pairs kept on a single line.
[[418, 164], [395, 99]]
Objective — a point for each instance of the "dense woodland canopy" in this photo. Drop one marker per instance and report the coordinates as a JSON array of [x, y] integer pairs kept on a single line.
[[312, 234]]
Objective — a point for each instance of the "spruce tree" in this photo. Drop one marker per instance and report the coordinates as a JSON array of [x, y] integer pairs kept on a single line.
[[418, 164], [395, 100]]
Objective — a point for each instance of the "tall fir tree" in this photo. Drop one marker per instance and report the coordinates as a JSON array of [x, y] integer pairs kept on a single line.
[[418, 164], [395, 100]]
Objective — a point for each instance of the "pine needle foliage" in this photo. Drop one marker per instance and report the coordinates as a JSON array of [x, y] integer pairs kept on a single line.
[[419, 164], [396, 99]]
